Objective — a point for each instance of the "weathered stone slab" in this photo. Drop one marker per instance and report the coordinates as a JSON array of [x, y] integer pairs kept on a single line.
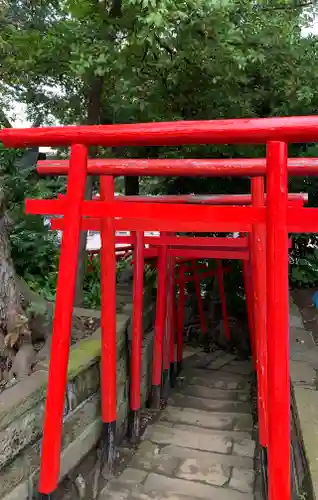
[[214, 474], [206, 458], [244, 447], [83, 386], [150, 457], [195, 438], [200, 391], [202, 359], [156, 482], [208, 420], [19, 398], [20, 433], [131, 476], [242, 480], [220, 361], [239, 368], [115, 490], [185, 401], [217, 380], [234, 434]]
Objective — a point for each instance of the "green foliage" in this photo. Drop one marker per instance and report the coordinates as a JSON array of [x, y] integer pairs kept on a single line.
[[92, 294], [304, 272], [304, 261], [34, 247]]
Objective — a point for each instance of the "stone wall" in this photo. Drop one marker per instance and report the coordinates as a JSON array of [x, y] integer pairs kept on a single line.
[[304, 411], [22, 406], [303, 371]]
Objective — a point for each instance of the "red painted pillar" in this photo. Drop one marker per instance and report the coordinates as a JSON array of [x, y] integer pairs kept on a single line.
[[172, 373], [136, 347], [180, 321], [203, 325], [159, 326], [220, 278], [168, 331], [62, 326], [108, 326], [258, 255], [248, 287], [279, 478]]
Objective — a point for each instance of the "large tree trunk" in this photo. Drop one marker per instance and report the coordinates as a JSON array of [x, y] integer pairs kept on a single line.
[[16, 350], [132, 186], [94, 103]]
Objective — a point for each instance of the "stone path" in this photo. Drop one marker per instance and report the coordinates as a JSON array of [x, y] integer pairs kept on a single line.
[[202, 446]]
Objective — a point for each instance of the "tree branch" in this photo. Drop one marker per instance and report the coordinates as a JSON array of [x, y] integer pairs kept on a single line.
[[287, 7], [115, 10], [4, 121]]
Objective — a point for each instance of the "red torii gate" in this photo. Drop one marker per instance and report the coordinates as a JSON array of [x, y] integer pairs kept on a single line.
[[279, 218], [257, 246]]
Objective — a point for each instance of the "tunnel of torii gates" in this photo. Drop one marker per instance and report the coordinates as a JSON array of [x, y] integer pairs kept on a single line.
[[263, 224]]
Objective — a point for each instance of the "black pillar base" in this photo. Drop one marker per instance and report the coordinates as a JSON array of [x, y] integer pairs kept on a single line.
[[264, 461], [155, 397], [165, 386], [134, 426], [172, 375], [108, 448], [179, 367], [45, 496]]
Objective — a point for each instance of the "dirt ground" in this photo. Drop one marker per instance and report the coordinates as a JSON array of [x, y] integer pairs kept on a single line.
[[303, 299]]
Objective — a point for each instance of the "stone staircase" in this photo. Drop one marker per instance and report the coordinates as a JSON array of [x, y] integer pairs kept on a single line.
[[202, 446]]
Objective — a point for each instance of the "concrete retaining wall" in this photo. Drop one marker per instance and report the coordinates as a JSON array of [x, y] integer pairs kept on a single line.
[[22, 406], [303, 372]]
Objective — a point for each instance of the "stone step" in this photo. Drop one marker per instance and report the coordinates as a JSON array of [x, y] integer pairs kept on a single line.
[[213, 405], [235, 367], [201, 391], [208, 420], [202, 359], [187, 463], [217, 362], [226, 442], [169, 488], [217, 380], [226, 372]]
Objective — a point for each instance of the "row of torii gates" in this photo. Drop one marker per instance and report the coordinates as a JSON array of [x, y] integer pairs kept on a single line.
[[263, 222]]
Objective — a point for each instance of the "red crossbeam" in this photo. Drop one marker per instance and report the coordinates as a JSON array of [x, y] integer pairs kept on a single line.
[[190, 218], [179, 166], [172, 241], [194, 218], [235, 131], [294, 199], [194, 253]]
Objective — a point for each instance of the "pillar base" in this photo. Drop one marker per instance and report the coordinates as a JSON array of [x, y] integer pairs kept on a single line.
[[165, 386], [108, 449], [172, 375], [45, 496], [155, 397], [263, 460], [179, 367], [134, 426]]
